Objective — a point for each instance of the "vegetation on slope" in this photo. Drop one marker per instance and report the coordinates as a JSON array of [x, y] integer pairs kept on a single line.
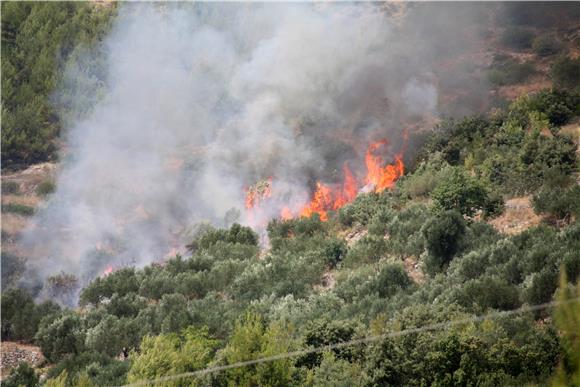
[[228, 302], [38, 38]]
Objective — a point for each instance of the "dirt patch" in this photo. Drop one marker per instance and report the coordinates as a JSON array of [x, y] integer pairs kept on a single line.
[[15, 353], [517, 217], [29, 179], [412, 268], [355, 235]]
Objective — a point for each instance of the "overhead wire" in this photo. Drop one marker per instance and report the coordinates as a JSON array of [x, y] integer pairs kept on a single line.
[[368, 339]]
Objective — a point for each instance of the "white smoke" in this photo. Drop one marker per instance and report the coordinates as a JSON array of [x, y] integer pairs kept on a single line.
[[202, 100]]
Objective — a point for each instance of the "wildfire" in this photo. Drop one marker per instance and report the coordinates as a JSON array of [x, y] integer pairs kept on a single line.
[[380, 176], [260, 191], [108, 271]]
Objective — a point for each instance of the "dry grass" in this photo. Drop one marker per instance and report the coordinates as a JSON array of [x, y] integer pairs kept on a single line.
[[517, 217]]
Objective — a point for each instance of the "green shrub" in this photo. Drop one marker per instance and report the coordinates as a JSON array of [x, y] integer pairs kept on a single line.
[[562, 203], [23, 376], [460, 192], [511, 73], [37, 41], [546, 45], [565, 72], [443, 235], [10, 188], [517, 38], [45, 188], [19, 209], [21, 316], [61, 337], [390, 280], [325, 332]]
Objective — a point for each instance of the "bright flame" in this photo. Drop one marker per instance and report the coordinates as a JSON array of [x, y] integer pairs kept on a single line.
[[321, 202], [380, 176], [286, 213]]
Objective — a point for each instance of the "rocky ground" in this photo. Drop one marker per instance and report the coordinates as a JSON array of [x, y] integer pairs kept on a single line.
[[13, 353]]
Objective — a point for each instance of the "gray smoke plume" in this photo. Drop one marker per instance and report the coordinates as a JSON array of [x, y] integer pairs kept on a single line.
[[203, 100]]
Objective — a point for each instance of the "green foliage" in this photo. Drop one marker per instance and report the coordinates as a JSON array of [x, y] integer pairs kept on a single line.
[[565, 72], [517, 38], [567, 317], [510, 73], [45, 188], [171, 354], [21, 317], [335, 372], [61, 337], [363, 208], [10, 188], [324, 332], [23, 375], [250, 340], [20, 209], [236, 234], [461, 192], [560, 202], [390, 280], [443, 235], [37, 40], [546, 45]]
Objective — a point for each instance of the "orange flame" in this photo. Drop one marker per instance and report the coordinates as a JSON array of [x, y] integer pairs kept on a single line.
[[379, 176], [286, 213]]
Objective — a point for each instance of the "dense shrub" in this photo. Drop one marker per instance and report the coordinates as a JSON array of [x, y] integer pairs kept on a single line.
[[19, 209], [443, 235], [510, 73], [21, 316], [460, 192], [559, 202], [45, 188], [10, 188], [37, 40], [61, 337], [22, 376]]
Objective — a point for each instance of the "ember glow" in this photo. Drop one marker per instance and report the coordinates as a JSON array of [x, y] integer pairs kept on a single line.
[[326, 197], [107, 271]]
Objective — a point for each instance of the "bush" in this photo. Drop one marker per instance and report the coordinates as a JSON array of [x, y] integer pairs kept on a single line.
[[390, 280], [61, 337], [325, 332], [517, 38], [19, 209], [22, 376], [562, 203], [565, 72], [45, 188], [21, 317], [443, 234], [546, 45], [460, 192], [511, 73], [10, 188]]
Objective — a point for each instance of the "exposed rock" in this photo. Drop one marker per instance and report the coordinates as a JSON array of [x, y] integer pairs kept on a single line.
[[15, 353]]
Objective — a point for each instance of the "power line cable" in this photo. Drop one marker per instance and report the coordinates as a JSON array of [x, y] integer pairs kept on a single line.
[[343, 344]]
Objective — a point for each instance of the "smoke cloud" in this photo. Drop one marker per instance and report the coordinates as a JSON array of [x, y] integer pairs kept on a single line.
[[202, 100]]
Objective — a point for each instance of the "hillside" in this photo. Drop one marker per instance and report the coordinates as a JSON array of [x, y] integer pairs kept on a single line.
[[417, 254], [424, 233]]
